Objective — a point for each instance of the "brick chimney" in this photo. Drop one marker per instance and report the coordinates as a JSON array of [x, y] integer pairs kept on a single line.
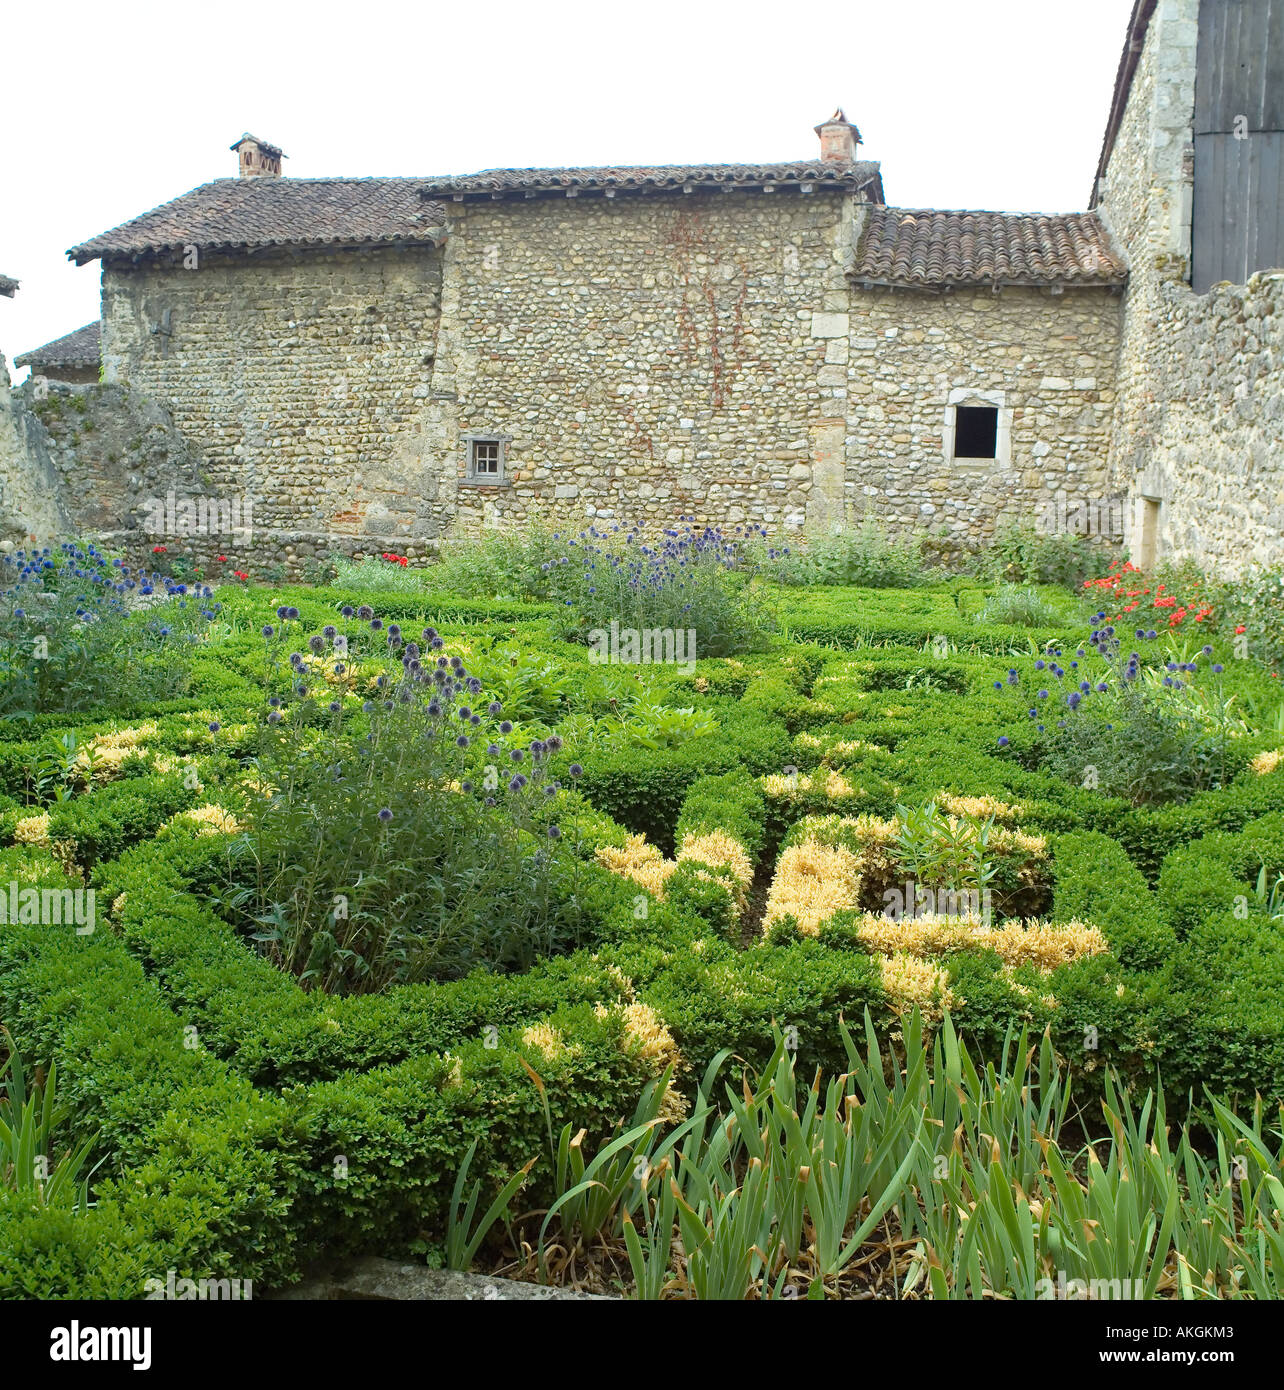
[[838, 139], [256, 158]]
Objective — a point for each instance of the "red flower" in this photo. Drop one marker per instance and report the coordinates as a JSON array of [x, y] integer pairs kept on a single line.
[[160, 549], [1239, 629], [222, 559]]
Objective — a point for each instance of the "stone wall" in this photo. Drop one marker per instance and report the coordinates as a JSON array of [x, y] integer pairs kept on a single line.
[[649, 357], [301, 382], [644, 359], [1199, 428], [31, 501], [1047, 358]]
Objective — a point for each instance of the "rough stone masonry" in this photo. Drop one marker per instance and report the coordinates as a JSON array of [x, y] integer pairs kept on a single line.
[[381, 364]]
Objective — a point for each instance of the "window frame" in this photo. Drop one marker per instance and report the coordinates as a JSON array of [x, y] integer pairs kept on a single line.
[[996, 400], [499, 478]]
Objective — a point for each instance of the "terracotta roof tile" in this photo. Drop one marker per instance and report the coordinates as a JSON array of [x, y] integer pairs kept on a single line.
[[921, 246], [654, 178], [83, 348], [235, 213]]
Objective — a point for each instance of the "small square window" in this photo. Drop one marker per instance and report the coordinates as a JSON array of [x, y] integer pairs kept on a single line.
[[976, 429], [486, 459]]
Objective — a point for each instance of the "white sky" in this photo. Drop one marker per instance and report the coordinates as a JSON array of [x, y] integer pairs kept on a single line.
[[996, 104]]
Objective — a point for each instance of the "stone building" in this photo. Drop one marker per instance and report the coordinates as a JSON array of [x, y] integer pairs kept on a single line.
[[73, 358], [382, 363], [409, 359], [1197, 440]]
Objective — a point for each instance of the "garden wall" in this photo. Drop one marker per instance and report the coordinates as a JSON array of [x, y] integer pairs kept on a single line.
[[1200, 424]]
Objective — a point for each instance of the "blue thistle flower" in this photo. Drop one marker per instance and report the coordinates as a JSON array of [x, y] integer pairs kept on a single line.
[[385, 815]]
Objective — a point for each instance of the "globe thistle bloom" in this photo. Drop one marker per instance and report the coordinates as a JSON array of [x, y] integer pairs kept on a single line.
[[554, 833], [1003, 740], [575, 770], [385, 815], [215, 726], [267, 629]]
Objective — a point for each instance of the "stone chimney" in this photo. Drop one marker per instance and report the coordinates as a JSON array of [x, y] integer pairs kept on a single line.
[[838, 139], [256, 158]]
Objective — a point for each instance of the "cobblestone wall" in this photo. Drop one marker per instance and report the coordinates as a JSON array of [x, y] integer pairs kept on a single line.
[[1047, 358], [641, 358], [300, 382], [1200, 424]]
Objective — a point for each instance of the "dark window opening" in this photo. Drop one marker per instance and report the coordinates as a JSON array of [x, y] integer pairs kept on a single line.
[[976, 429]]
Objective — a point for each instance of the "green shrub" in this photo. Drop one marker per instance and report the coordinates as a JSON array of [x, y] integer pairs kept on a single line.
[[1025, 555], [868, 556], [1018, 606]]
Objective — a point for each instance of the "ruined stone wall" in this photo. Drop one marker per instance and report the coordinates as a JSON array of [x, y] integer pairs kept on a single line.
[[301, 383], [31, 502], [1048, 359], [1199, 427]]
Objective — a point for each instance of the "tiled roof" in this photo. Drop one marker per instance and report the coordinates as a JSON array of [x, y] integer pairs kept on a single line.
[[7, 286], [236, 213], [83, 348], [920, 246], [654, 179]]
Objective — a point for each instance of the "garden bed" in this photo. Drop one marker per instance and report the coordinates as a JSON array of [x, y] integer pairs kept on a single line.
[[726, 838]]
